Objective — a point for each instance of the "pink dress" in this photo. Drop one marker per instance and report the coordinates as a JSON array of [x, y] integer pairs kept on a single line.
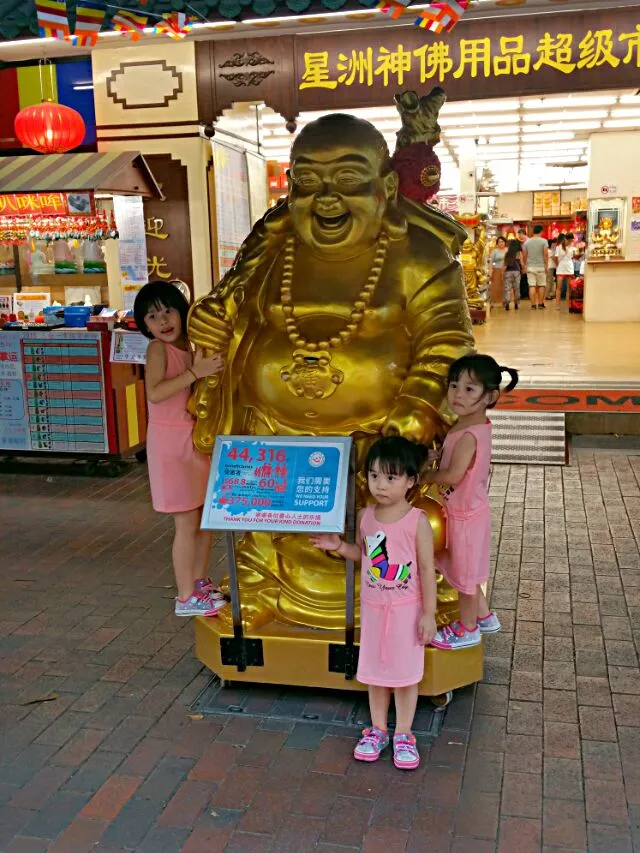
[[178, 474], [465, 560], [391, 654]]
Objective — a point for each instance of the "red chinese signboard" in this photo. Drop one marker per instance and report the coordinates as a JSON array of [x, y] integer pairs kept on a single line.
[[46, 204]]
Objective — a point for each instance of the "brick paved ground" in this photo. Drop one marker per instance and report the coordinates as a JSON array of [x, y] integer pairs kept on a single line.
[[544, 757]]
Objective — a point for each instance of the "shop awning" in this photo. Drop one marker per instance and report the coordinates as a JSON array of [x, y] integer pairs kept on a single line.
[[117, 172]]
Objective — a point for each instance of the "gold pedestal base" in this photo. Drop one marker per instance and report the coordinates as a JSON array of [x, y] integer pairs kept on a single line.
[[300, 657]]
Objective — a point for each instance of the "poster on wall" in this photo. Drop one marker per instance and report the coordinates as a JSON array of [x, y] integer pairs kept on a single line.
[[128, 347], [132, 245], [52, 392], [633, 245], [233, 214], [258, 192]]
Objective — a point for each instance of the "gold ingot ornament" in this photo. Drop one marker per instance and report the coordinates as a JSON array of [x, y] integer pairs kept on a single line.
[[342, 312]]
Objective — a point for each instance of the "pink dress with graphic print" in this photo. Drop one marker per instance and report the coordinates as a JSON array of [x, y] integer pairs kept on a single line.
[[465, 560], [390, 602], [178, 473]]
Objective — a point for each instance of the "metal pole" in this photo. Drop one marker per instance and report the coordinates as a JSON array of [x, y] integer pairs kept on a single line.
[[236, 608], [350, 531]]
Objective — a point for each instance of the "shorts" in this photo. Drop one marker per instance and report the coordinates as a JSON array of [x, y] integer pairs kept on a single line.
[[537, 276]]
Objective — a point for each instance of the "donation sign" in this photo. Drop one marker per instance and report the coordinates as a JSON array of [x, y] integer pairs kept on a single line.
[[296, 484]]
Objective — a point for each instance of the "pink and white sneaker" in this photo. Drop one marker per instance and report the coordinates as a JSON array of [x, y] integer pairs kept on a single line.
[[456, 636], [489, 624], [371, 744], [198, 604], [205, 586], [405, 752]]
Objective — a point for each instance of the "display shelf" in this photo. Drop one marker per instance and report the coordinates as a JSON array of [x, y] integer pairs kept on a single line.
[[605, 262]]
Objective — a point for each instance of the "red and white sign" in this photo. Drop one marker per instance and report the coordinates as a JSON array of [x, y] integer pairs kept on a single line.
[[608, 189]]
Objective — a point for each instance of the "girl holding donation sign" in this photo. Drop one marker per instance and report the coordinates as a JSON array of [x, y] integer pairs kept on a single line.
[[397, 598]]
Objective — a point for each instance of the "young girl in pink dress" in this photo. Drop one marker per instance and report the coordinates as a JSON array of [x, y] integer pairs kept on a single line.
[[463, 478], [397, 596], [177, 472]]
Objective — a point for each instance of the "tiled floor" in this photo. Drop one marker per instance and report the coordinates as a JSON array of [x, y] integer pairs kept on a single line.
[[544, 757], [556, 349]]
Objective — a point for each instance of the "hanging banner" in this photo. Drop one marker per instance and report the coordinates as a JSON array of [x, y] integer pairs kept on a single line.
[[132, 245], [287, 483], [233, 216]]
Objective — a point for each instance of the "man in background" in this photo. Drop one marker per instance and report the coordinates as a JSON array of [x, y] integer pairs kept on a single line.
[[524, 283], [536, 259]]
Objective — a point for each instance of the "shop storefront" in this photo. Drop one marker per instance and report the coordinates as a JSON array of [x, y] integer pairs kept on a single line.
[[69, 384]]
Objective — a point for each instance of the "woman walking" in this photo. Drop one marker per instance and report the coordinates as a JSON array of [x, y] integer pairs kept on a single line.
[[496, 259], [512, 266]]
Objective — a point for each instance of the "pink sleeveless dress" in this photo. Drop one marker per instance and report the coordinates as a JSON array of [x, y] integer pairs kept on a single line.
[[178, 473], [465, 560], [391, 654]]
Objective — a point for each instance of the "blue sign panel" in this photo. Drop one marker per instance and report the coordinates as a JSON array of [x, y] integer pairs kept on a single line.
[[295, 484]]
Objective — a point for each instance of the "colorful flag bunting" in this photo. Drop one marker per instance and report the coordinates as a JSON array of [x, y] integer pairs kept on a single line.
[[89, 18], [129, 23], [442, 16], [393, 8], [52, 19], [176, 25]]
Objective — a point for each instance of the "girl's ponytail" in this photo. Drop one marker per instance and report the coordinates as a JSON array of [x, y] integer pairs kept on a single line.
[[514, 377]]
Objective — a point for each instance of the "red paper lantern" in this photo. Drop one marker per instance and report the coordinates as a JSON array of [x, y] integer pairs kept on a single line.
[[49, 128]]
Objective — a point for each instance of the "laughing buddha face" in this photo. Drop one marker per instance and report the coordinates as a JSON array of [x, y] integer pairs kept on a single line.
[[340, 184]]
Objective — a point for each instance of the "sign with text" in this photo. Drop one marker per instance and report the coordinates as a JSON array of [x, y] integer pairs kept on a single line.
[[508, 55], [278, 483], [571, 400], [47, 204]]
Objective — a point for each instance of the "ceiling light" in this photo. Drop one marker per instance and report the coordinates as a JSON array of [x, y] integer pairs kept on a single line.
[[559, 136], [571, 101], [625, 113], [479, 107], [565, 115], [503, 140], [460, 121], [623, 122], [471, 132]]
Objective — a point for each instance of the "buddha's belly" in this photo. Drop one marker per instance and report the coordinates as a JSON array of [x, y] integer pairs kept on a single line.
[[357, 388]]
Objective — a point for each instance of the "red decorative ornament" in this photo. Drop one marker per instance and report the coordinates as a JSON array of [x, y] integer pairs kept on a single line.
[[49, 128], [418, 168]]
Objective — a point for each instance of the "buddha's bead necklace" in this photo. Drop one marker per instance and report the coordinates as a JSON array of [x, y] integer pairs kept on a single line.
[[357, 312]]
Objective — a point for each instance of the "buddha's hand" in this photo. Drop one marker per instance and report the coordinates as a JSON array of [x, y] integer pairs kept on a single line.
[[210, 327], [417, 423]]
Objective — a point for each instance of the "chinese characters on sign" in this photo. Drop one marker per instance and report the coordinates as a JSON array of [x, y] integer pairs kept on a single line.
[[46, 204], [506, 56], [156, 267], [277, 483]]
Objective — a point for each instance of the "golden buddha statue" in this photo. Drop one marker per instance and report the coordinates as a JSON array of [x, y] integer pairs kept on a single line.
[[340, 316], [605, 239], [472, 258]]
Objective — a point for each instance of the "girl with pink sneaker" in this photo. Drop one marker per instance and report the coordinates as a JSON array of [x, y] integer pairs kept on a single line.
[[463, 478], [178, 474], [397, 596]]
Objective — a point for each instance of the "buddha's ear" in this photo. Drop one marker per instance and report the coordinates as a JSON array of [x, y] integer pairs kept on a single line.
[[289, 180], [391, 184]]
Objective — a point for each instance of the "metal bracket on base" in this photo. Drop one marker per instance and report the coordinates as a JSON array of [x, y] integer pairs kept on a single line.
[[240, 652], [343, 658]]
